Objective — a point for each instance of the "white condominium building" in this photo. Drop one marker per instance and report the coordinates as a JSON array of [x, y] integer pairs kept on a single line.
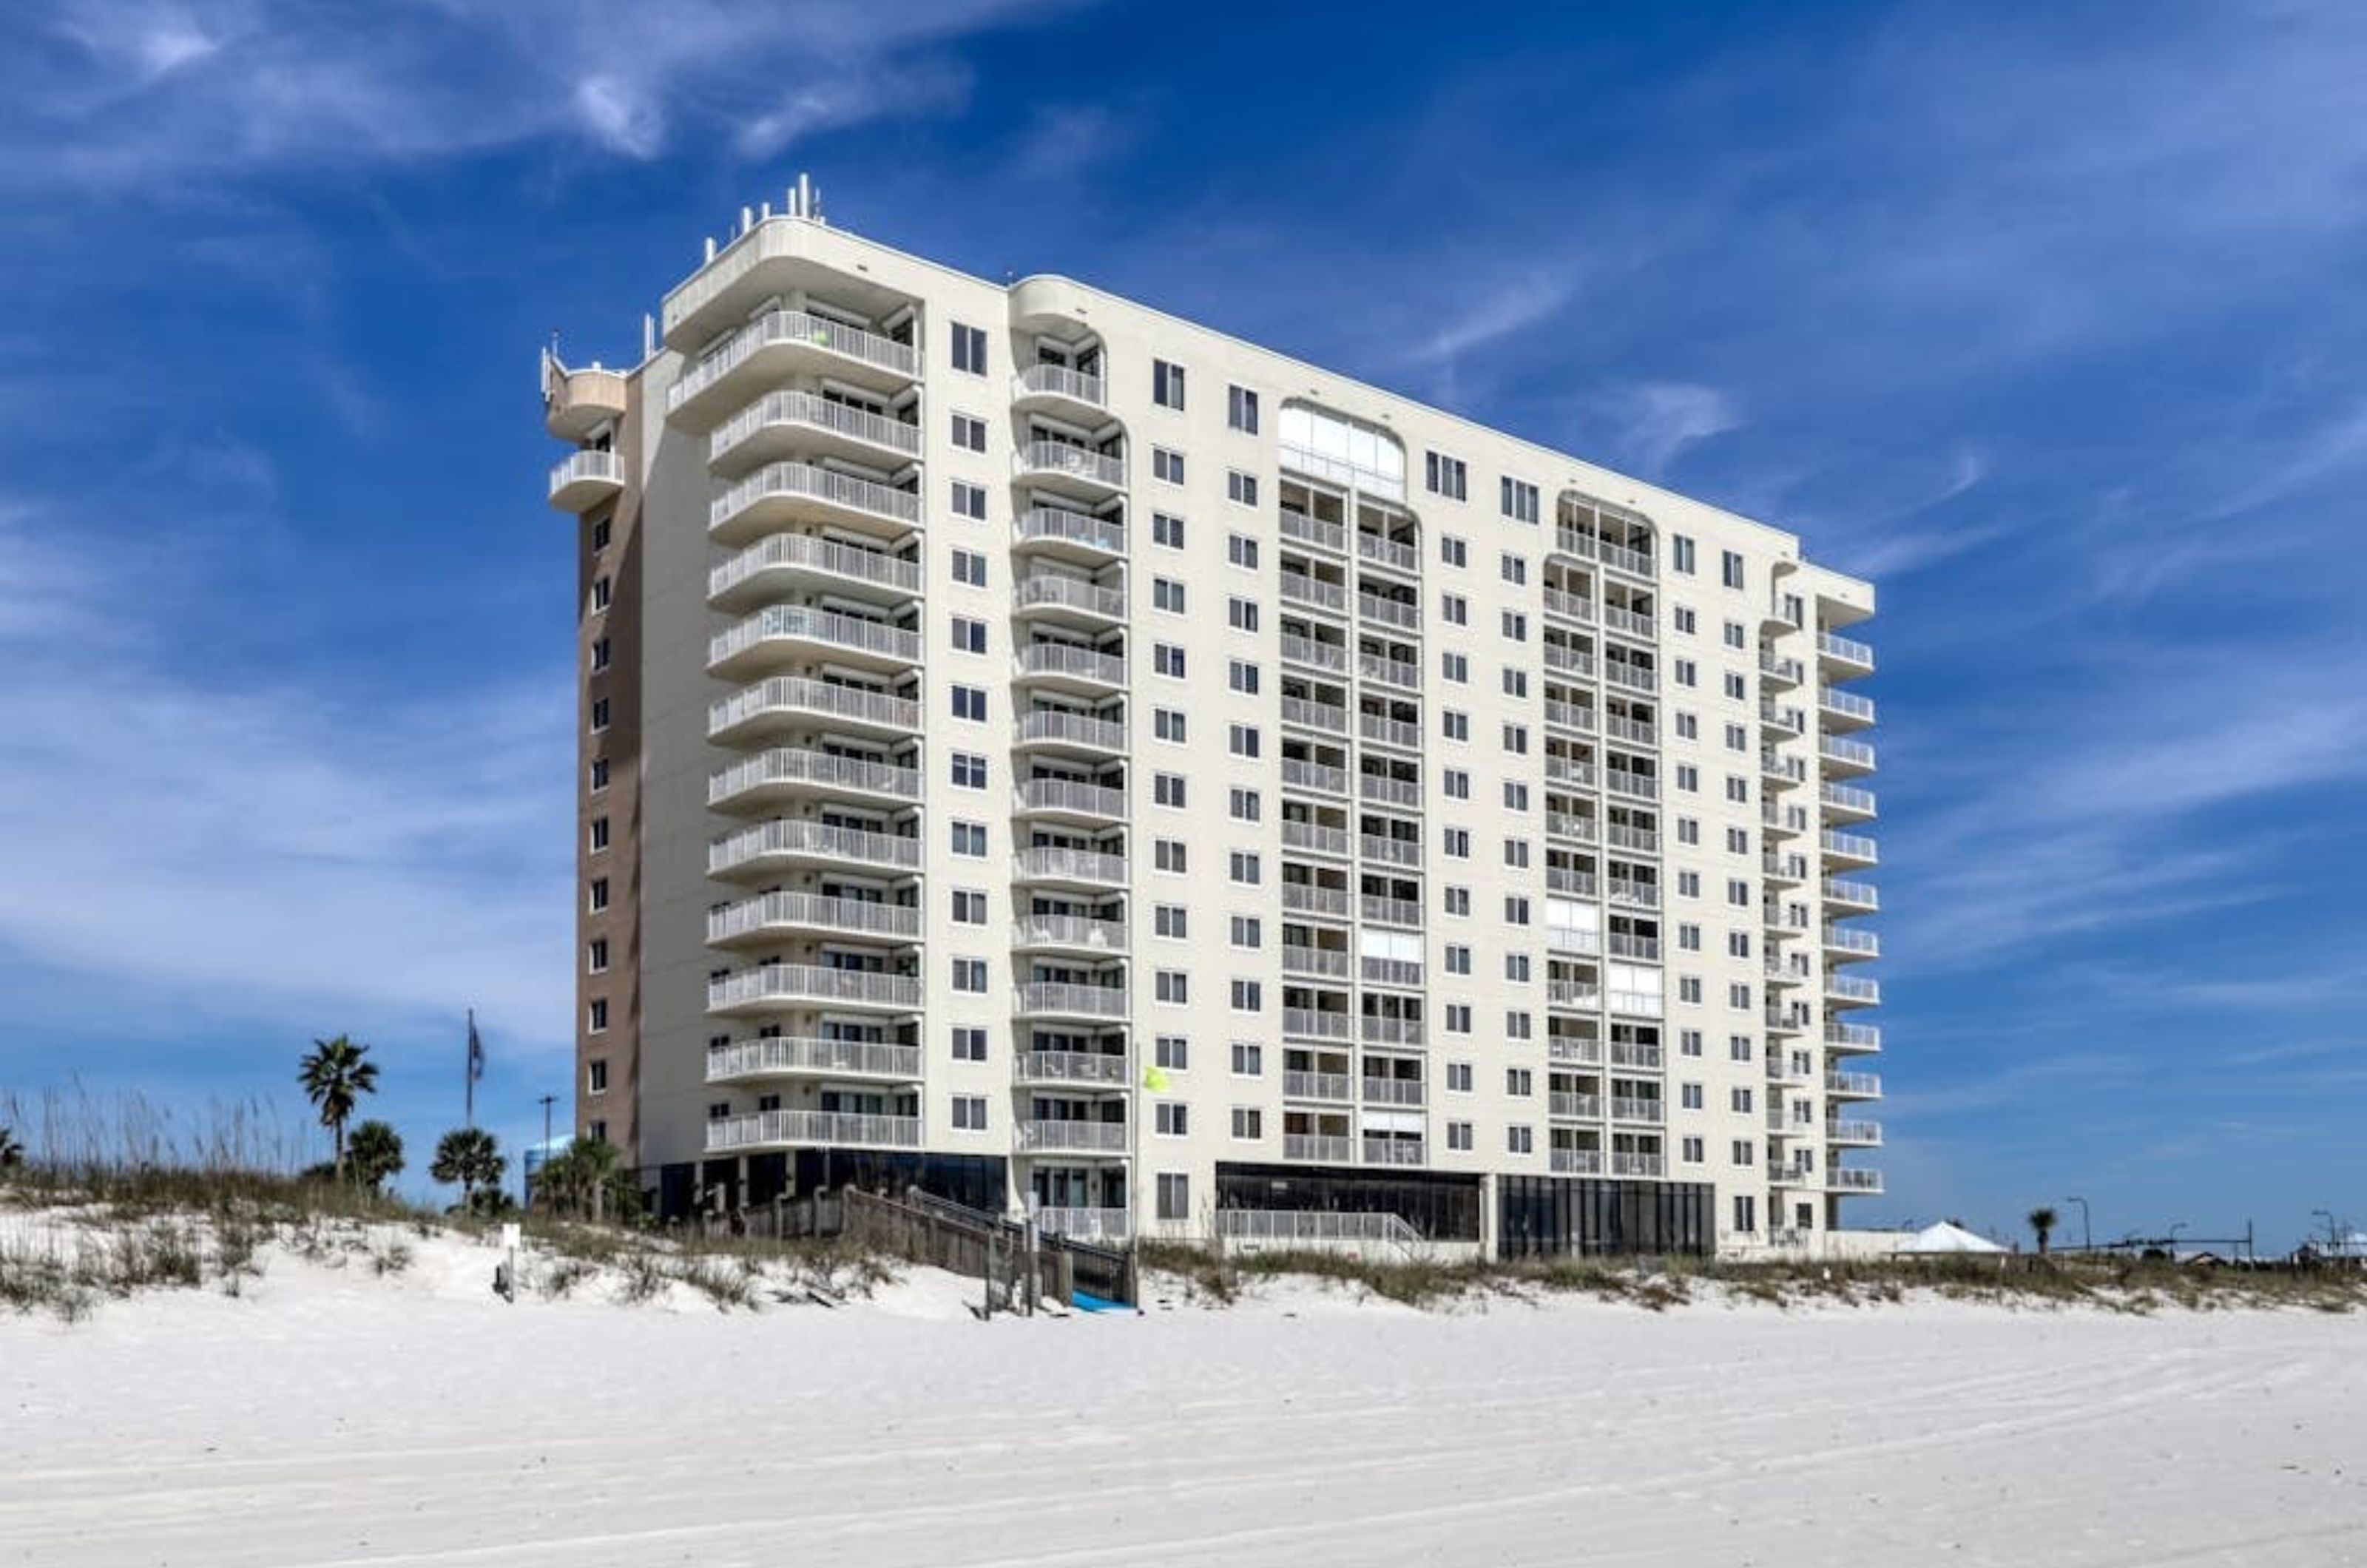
[[1037, 748]]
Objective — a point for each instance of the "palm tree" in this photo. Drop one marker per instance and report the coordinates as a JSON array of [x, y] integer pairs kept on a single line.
[[12, 1153], [376, 1151], [2042, 1221], [589, 1181], [336, 1076], [469, 1158]]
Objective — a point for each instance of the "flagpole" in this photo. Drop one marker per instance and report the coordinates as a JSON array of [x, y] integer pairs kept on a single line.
[[469, 1076]]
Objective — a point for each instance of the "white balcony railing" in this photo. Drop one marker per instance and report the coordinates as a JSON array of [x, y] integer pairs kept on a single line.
[[805, 481], [769, 911], [1078, 1137], [1060, 727], [1060, 458], [821, 770], [1058, 524], [1058, 862], [1058, 997], [779, 327], [813, 841], [1062, 658], [828, 558], [833, 1129], [803, 623], [1072, 796], [1068, 931], [780, 1056], [1100, 1069], [1059, 381], [809, 412], [814, 983], [588, 465]]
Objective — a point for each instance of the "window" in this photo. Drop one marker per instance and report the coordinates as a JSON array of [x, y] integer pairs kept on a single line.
[[1513, 569], [1458, 1077], [969, 702], [1516, 796], [1451, 551], [1454, 667], [1458, 958], [1516, 740], [969, 636], [1457, 1018], [1688, 778], [1737, 841], [1689, 885], [602, 532], [1166, 594], [1739, 1101], [969, 433], [1689, 1096], [1168, 725], [969, 1114], [1738, 789], [596, 956], [1247, 996], [1682, 619], [1240, 488], [1738, 893], [1689, 989], [1736, 688], [599, 713], [970, 501], [1516, 1025], [969, 907], [1249, 1061], [1241, 740], [970, 566], [1457, 901], [1241, 614], [1691, 1148], [1516, 681], [969, 1042], [970, 349], [599, 834], [1739, 1048], [1173, 1120], [600, 654], [1443, 475], [1519, 1082], [1454, 784], [1688, 726], [969, 771], [1248, 933], [1454, 609], [1170, 920], [1245, 805], [1688, 938], [1244, 868], [969, 974], [1516, 625], [1519, 501], [1517, 1140], [1689, 830], [1736, 737], [1688, 673], [1166, 531], [1249, 1122], [1745, 1153], [1169, 855], [1516, 909], [1735, 637], [597, 1015], [1241, 550], [1167, 659], [1242, 410], [1458, 1136], [1167, 384], [969, 838], [1242, 676], [1737, 996], [596, 895], [1456, 842], [1516, 968], [1689, 1043], [1172, 986], [1454, 724], [1167, 789], [599, 774], [596, 1075], [1174, 1190], [602, 593], [1730, 568], [1680, 554], [1166, 466]]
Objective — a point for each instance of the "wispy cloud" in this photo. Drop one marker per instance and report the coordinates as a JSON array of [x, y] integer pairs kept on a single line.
[[1063, 141], [1650, 421]]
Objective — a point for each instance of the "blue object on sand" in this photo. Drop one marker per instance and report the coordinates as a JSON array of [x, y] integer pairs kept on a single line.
[[1084, 1302]]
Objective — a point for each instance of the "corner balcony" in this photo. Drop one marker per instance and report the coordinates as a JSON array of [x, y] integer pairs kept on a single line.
[[1068, 800], [780, 702], [581, 480], [1853, 1086], [1842, 658], [771, 847], [770, 917], [1854, 1134], [1841, 1039], [577, 402], [1056, 1000], [776, 345], [1062, 392], [779, 563], [1843, 710], [785, 495], [1054, 865], [775, 778], [1846, 944], [1852, 897], [774, 986], [1056, 531], [812, 1129], [753, 1061], [1056, 729], [1051, 596], [1078, 470], [1845, 803], [1848, 991], [1776, 670], [1102, 1139], [1844, 759], [1781, 771], [1848, 851], [1065, 667], [1854, 1178], [783, 631], [797, 424], [1067, 934]]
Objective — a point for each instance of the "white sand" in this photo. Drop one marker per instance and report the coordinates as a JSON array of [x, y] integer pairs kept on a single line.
[[332, 1416]]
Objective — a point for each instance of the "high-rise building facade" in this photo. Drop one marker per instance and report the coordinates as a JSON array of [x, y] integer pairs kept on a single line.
[[1038, 748]]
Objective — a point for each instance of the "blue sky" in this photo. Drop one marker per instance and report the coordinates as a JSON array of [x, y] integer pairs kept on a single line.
[[2048, 318]]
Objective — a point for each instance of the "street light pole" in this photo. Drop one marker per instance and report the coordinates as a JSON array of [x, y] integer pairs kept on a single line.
[[2327, 1215], [2087, 1238], [548, 1100]]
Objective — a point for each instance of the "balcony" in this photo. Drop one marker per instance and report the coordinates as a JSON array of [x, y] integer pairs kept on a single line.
[[1636, 1165], [1843, 710], [1637, 1055], [1568, 660], [1782, 771], [581, 480], [1576, 995], [1776, 670], [1570, 771], [1569, 606], [1570, 716], [1848, 849], [1319, 1149], [1072, 1137], [1061, 665], [780, 985], [1854, 1178], [1626, 1109], [1389, 554], [1314, 838], [1059, 390], [782, 701], [1060, 531], [1575, 1107], [1393, 1151], [1314, 1023], [1631, 731], [1048, 593], [1304, 713], [792, 424], [1090, 1069], [1392, 1092], [1381, 731], [1844, 759], [1307, 898], [1854, 1134], [1085, 1225], [1053, 998], [778, 563], [1299, 589], [1628, 623], [785, 495], [773, 778], [1577, 1162], [1853, 1086], [1782, 721], [1846, 944], [770, 847], [1402, 973], [1845, 803], [1397, 612], [1078, 470], [1842, 1038], [769, 916], [1314, 531], [1316, 963], [1318, 778], [1072, 731], [1848, 990], [1628, 890], [1622, 836], [1577, 884], [1398, 672], [812, 1129], [1574, 1050], [1315, 1086], [1057, 864], [577, 402], [1855, 897], [1375, 1028], [780, 344], [749, 1060], [1067, 934], [1634, 677], [1787, 870], [1328, 657], [1382, 790], [781, 632], [1403, 853], [1376, 909], [1842, 659], [1068, 800]]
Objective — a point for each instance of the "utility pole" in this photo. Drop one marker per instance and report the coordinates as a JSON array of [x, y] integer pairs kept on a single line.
[[2087, 1239], [547, 1101]]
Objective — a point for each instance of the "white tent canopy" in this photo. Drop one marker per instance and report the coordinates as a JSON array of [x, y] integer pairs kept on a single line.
[[1946, 1237]]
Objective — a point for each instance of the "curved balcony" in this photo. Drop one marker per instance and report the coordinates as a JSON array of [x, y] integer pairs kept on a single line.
[[769, 847], [1068, 800], [1060, 531], [790, 424], [780, 344], [1059, 390], [787, 495], [1784, 869], [784, 773], [779, 563], [782, 632], [1104, 1139], [1067, 934], [1061, 666], [812, 1129], [1085, 1069], [772, 986], [1780, 669], [1052, 597], [769, 916], [1058, 1000], [780, 702], [1053, 729], [577, 402], [753, 1061], [1781, 771], [581, 480], [1078, 470], [1054, 866]]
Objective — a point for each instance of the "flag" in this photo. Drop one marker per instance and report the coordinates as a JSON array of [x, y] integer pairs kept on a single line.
[[476, 1050], [1154, 1079]]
